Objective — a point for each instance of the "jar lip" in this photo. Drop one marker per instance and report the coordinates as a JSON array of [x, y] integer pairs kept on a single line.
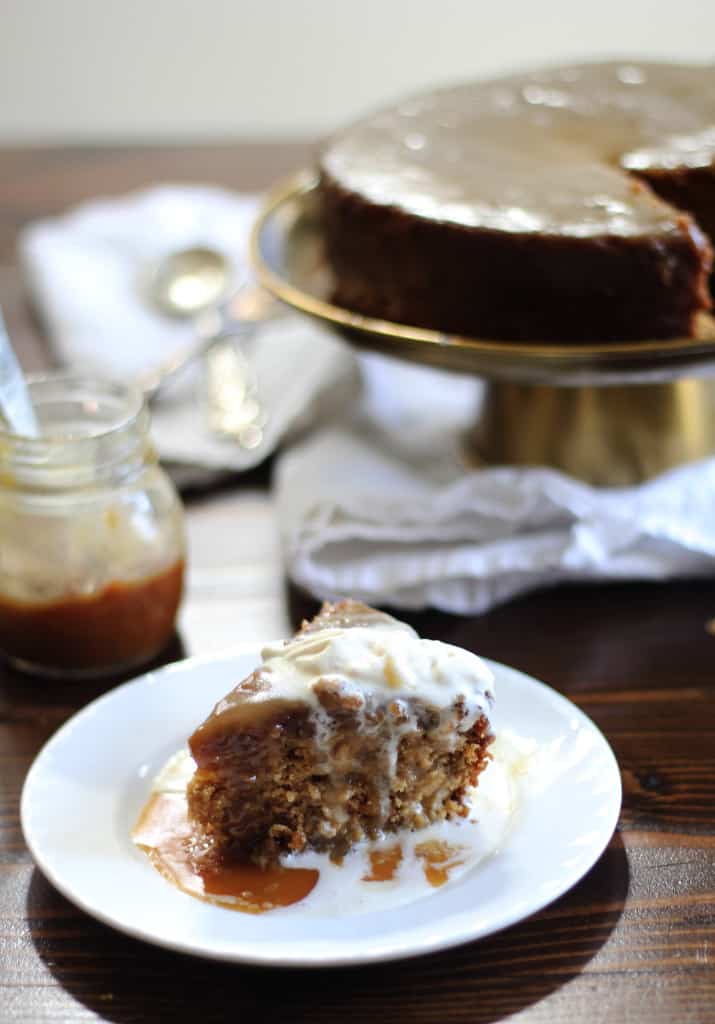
[[130, 395]]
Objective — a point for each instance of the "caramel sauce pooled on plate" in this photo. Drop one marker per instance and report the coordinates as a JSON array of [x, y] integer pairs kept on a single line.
[[384, 864], [438, 859], [183, 855], [178, 852]]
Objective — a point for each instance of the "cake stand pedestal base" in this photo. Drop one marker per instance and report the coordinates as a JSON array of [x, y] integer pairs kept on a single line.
[[611, 436]]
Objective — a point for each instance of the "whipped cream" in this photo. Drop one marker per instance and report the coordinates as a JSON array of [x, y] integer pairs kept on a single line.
[[379, 663]]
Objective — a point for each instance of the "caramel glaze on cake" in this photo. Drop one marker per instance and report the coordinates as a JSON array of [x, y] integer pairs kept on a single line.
[[353, 728], [570, 204]]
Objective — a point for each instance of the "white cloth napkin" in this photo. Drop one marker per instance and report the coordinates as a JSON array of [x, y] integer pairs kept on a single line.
[[382, 507], [87, 273], [377, 503]]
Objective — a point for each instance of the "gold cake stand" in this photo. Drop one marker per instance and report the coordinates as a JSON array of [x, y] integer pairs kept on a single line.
[[613, 413]]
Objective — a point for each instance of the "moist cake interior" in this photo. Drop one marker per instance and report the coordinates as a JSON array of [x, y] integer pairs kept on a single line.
[[297, 757]]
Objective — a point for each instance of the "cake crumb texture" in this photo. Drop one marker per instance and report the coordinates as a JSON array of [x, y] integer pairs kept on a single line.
[[276, 776]]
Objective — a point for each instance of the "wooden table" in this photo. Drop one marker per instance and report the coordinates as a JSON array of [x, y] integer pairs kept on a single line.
[[634, 941]]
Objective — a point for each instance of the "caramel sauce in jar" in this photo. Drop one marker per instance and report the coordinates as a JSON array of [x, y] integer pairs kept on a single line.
[[124, 623], [91, 534]]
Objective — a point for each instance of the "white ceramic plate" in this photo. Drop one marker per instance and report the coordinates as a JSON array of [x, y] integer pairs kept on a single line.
[[84, 792]]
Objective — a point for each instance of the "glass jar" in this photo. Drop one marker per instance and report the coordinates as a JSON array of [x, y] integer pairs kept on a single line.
[[91, 533]]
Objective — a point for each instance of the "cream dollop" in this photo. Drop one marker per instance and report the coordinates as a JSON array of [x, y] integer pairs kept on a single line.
[[380, 662]]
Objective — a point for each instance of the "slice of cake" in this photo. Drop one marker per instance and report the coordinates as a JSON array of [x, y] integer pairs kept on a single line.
[[352, 728]]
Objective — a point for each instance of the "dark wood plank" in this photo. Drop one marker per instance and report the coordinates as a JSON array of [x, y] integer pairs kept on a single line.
[[633, 941]]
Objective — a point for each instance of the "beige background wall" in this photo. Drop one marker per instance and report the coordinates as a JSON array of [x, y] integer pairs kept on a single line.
[[102, 69]]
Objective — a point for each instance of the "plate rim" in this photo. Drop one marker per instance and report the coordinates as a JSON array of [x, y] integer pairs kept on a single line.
[[399, 948]]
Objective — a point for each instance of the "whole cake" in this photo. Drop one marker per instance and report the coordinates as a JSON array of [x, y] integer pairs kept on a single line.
[[352, 728], [570, 204]]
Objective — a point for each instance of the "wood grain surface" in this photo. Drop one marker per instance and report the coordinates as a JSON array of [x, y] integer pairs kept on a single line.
[[634, 941]]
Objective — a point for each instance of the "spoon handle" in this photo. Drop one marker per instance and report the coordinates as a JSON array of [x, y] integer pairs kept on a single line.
[[209, 327], [15, 403]]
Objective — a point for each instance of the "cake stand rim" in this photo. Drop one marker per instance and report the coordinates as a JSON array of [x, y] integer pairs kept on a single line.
[[563, 356]]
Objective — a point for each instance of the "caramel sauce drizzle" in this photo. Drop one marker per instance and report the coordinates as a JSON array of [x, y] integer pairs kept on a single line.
[[384, 864], [178, 853], [438, 860], [166, 835]]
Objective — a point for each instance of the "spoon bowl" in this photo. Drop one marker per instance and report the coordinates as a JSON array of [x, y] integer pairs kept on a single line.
[[190, 280], [185, 284]]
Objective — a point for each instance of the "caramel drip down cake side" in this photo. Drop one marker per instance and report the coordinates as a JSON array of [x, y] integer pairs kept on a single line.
[[354, 727]]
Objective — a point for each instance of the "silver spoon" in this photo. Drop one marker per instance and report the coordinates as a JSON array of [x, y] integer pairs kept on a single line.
[[15, 404], [235, 410], [185, 285], [195, 283], [189, 280]]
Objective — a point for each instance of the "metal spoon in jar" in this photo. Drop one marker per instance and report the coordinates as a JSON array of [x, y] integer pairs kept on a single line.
[[15, 405]]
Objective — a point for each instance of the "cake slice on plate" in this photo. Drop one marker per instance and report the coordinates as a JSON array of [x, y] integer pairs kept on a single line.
[[352, 728]]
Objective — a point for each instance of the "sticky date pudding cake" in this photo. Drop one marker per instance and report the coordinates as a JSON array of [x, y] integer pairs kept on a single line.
[[569, 204], [355, 740], [353, 728]]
